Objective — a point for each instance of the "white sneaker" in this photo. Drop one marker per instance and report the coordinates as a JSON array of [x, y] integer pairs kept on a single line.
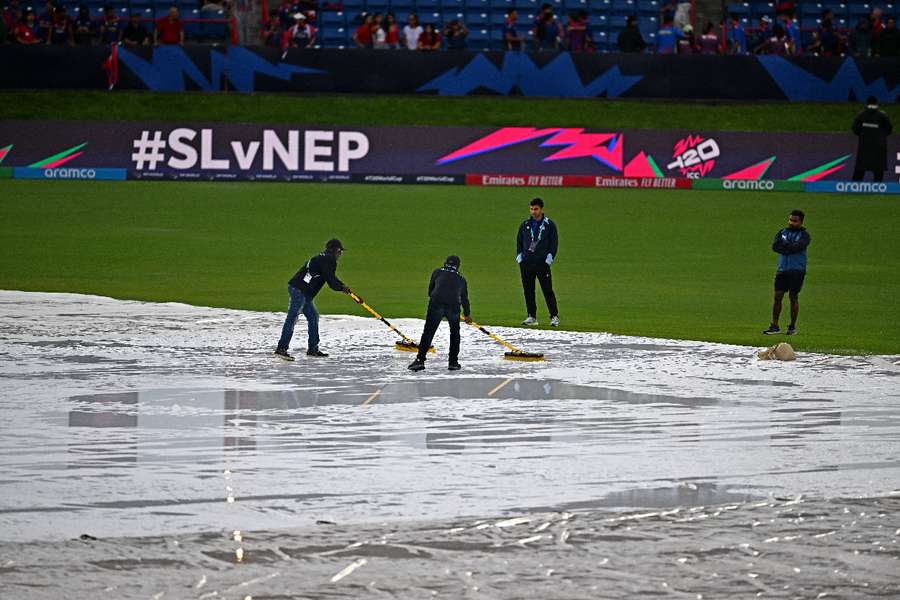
[[554, 321], [530, 321]]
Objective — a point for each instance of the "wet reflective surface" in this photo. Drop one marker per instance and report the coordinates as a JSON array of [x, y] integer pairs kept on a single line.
[[143, 425]]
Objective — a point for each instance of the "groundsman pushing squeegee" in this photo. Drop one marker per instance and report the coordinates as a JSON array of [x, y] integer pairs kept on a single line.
[[515, 353], [406, 344]]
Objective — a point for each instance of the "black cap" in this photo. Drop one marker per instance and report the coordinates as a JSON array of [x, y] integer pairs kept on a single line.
[[334, 244], [452, 260]]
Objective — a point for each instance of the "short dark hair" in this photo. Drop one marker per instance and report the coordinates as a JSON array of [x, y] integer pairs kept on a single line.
[[798, 213], [537, 202]]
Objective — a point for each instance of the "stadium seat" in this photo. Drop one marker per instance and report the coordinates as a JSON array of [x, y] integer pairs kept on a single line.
[[759, 9], [859, 10], [623, 7], [739, 8], [809, 23], [332, 17], [479, 39]]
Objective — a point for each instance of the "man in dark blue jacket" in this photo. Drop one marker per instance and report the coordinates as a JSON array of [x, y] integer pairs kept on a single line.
[[302, 288], [536, 245], [447, 291], [790, 243]]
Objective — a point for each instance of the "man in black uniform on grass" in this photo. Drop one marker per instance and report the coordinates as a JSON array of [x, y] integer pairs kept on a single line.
[[872, 127], [302, 288], [536, 244], [446, 292]]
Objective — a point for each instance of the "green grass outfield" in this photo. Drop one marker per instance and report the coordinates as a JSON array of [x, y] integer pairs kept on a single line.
[[476, 111], [692, 265]]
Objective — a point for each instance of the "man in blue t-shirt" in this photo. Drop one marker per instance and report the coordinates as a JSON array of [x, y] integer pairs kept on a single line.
[[667, 37], [790, 243], [737, 38]]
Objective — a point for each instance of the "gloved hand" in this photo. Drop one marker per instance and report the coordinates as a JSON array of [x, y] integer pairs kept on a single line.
[[347, 290], [467, 318], [519, 258], [549, 260]]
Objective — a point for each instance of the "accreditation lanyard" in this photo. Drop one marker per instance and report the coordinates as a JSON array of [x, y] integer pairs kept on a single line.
[[534, 242]]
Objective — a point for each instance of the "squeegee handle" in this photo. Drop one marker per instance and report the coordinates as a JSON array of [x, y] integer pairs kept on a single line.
[[494, 337], [362, 303]]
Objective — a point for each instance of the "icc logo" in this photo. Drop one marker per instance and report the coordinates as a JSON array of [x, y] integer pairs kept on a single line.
[[694, 156]]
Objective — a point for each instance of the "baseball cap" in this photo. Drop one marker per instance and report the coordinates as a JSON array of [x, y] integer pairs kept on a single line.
[[334, 244], [452, 260]]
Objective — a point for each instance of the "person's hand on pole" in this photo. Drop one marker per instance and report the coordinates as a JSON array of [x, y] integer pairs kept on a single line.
[[549, 260], [467, 318], [519, 258]]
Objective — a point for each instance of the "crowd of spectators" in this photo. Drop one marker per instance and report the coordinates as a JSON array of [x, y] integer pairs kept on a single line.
[[871, 36], [55, 26], [292, 25]]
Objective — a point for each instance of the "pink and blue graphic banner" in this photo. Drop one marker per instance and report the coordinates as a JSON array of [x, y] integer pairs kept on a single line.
[[226, 151]]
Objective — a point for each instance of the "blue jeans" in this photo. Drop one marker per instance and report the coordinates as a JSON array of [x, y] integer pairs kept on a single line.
[[300, 303]]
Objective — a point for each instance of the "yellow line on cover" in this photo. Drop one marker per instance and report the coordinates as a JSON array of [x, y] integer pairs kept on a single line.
[[499, 387]]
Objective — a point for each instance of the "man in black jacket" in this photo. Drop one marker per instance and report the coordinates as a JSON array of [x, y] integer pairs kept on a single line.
[[872, 127], [630, 38], [302, 288], [536, 245], [447, 290]]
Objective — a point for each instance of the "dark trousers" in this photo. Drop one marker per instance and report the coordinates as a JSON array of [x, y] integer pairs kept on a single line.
[[859, 171], [541, 272], [436, 312]]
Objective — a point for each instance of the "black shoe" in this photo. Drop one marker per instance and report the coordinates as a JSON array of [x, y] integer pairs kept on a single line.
[[773, 329], [454, 366], [417, 365], [316, 352], [283, 354], [791, 330]]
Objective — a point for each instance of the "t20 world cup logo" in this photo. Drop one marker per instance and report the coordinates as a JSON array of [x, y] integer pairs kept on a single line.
[[694, 156]]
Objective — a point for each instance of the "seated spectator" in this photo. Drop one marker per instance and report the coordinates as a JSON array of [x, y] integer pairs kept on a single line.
[[667, 37], [169, 30], [300, 35], [687, 44], [547, 31], [379, 35], [26, 31], [135, 34], [61, 32], [511, 39], [760, 41], [430, 39], [709, 41], [888, 43], [737, 39], [630, 39], [578, 34], [362, 37], [411, 33], [860, 39], [109, 27], [85, 31], [392, 31], [455, 34]]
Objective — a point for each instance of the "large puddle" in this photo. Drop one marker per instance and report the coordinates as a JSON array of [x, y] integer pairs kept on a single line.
[[126, 420]]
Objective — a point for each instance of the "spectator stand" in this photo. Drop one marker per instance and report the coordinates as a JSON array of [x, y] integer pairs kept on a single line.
[[208, 26], [809, 15], [485, 19]]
